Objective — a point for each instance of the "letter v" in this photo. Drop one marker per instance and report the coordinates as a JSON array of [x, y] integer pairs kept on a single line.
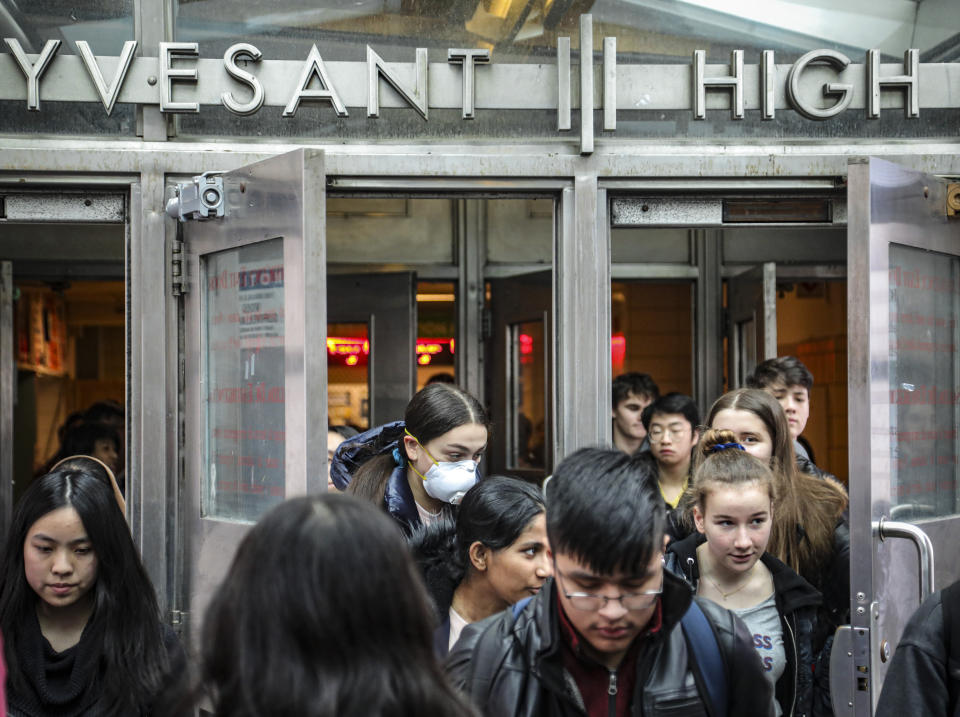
[[108, 95]]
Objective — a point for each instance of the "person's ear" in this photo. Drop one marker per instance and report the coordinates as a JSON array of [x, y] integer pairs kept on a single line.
[[698, 518], [666, 542], [479, 554], [411, 448], [696, 436]]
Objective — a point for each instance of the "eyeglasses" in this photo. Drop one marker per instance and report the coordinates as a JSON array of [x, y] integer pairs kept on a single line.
[[657, 433], [629, 601]]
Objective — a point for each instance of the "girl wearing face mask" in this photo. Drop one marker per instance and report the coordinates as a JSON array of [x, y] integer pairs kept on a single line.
[[495, 555], [415, 467], [726, 561], [79, 616]]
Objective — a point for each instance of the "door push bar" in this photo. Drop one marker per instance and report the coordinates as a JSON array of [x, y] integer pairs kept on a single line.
[[891, 529]]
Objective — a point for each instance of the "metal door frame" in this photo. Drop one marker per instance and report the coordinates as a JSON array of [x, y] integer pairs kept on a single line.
[[869, 429], [303, 322]]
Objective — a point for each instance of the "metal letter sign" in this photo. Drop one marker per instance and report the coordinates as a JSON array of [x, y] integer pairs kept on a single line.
[[821, 85]]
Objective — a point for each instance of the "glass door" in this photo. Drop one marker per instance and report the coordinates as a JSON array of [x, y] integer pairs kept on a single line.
[[751, 321], [380, 313], [255, 327], [522, 378], [7, 383], [904, 405]]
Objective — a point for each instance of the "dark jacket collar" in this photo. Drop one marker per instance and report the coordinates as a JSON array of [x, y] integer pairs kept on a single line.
[[399, 501], [793, 592]]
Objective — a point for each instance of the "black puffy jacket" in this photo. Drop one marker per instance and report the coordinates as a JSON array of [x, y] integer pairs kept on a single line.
[[797, 602], [513, 667], [918, 681]]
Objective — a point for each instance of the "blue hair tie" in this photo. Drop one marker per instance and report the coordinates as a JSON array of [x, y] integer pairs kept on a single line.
[[396, 456], [724, 446]]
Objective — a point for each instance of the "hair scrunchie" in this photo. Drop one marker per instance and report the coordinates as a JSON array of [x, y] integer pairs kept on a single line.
[[396, 456], [724, 446]]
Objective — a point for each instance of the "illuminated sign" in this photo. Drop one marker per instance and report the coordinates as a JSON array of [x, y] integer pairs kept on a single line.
[[355, 351]]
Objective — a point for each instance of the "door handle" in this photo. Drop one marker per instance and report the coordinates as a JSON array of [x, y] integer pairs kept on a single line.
[[892, 529]]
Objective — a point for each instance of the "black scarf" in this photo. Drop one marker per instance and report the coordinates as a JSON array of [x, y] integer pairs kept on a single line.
[[59, 684]]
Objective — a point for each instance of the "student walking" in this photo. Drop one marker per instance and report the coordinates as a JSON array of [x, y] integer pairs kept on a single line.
[[726, 561], [612, 632], [413, 468], [78, 614], [494, 556]]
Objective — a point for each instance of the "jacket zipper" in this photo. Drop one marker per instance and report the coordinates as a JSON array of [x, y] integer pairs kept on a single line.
[[796, 665], [612, 691]]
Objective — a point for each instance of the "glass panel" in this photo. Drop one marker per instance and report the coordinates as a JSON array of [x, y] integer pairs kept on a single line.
[[397, 230], [436, 329], [924, 380], [245, 381], [635, 246], [527, 405], [348, 375], [520, 230], [105, 24], [653, 332]]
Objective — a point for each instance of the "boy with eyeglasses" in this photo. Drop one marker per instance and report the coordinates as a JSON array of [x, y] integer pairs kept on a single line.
[[672, 423], [604, 636]]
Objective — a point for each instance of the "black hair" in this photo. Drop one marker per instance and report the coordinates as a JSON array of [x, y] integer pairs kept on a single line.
[[639, 384], [787, 370], [81, 438], [442, 377], [133, 660], [494, 512], [433, 410], [105, 412], [605, 510], [322, 613], [673, 402]]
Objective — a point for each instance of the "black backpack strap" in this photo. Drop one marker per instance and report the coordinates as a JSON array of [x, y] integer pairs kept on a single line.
[[950, 603], [703, 645]]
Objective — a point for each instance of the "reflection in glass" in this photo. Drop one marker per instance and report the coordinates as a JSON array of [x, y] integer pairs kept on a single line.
[[243, 325], [924, 380], [348, 375], [528, 359], [436, 332]]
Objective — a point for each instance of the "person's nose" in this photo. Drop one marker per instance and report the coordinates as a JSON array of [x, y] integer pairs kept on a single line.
[[544, 568], [789, 405], [742, 538], [62, 563], [613, 610]]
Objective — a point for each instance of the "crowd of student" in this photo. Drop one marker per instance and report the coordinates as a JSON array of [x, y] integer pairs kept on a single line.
[[692, 569]]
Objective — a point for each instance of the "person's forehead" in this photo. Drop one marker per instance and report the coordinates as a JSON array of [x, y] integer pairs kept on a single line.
[[779, 386], [667, 419], [569, 564], [636, 398]]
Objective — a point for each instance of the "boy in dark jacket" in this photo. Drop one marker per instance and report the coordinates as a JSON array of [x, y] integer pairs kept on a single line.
[[604, 635]]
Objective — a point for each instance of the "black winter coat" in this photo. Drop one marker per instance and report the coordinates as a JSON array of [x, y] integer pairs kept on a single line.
[[918, 681], [797, 602], [514, 667]]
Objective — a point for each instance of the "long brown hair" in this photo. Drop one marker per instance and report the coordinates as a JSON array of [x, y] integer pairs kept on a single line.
[[730, 467], [808, 508]]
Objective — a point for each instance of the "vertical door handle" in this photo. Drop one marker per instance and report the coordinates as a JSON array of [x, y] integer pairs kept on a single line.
[[891, 529]]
